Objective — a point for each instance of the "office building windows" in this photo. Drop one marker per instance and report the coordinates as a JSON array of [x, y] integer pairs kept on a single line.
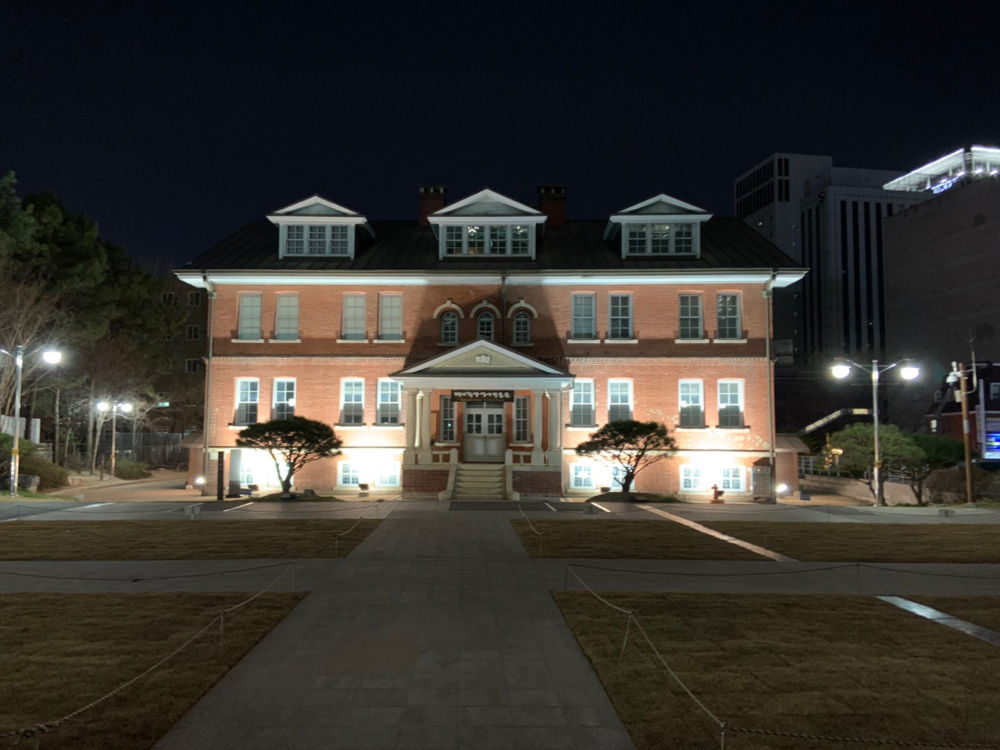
[[352, 401]]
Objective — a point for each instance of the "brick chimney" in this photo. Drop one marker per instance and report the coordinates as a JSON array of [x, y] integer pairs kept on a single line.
[[430, 198], [552, 203]]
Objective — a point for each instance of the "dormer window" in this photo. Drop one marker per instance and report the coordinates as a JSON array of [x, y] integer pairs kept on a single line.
[[660, 226], [317, 228], [676, 238], [488, 239]]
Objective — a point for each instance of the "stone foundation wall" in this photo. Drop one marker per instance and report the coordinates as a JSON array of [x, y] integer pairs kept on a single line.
[[420, 483], [538, 484]]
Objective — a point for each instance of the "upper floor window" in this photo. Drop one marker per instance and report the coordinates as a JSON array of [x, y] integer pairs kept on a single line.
[[690, 317], [730, 403], [728, 317], [315, 239], [522, 327], [389, 400], [390, 317], [194, 299], [488, 239], [352, 401], [353, 328], [168, 298], [582, 405], [286, 317], [995, 391], [449, 327], [620, 316], [283, 405], [619, 400], [192, 332], [248, 327], [247, 397], [692, 404], [584, 323], [675, 238], [484, 325]]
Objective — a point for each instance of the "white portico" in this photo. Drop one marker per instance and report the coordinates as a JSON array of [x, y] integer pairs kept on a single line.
[[497, 398]]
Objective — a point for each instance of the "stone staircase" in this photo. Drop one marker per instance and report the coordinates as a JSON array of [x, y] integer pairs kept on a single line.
[[480, 482]]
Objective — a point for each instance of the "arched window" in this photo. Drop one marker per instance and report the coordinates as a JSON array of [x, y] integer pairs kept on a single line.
[[484, 325], [449, 327], [522, 327]]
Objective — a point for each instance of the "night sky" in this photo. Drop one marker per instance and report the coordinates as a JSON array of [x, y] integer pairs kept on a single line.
[[173, 124]]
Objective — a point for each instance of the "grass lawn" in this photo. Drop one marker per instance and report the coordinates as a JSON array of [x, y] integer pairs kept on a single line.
[[829, 665], [872, 542], [181, 540], [615, 539], [60, 652]]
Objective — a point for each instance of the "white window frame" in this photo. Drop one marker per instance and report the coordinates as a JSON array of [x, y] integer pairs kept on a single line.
[[390, 316], [389, 404], [620, 323], [347, 474], [661, 238], [353, 320], [356, 412], [731, 320], [485, 240], [580, 317], [683, 394], [582, 475], [685, 330], [248, 327], [728, 400], [481, 316], [388, 474], [582, 398], [446, 432], [522, 328], [317, 240], [733, 478], [247, 401], [286, 317], [692, 478], [449, 327], [283, 398], [617, 387], [522, 419]]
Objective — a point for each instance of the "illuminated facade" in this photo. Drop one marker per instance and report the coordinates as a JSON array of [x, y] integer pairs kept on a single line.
[[467, 353]]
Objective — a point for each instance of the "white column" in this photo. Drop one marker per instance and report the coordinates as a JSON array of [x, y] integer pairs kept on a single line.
[[424, 402], [537, 456], [412, 418], [554, 454]]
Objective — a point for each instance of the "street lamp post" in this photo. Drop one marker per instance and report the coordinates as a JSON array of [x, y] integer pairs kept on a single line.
[[123, 406], [52, 357], [907, 371], [957, 375]]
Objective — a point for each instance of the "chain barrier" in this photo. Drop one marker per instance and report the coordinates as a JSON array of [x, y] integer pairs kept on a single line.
[[35, 730], [143, 579], [531, 526]]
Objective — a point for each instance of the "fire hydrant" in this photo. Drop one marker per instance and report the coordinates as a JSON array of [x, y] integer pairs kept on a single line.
[[717, 494]]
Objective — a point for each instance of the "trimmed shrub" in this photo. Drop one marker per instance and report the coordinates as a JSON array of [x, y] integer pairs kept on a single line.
[[126, 468], [50, 476]]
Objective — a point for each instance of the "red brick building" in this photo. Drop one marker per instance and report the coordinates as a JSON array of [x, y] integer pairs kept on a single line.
[[467, 353]]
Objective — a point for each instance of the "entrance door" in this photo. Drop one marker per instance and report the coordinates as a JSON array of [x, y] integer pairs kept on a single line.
[[484, 432]]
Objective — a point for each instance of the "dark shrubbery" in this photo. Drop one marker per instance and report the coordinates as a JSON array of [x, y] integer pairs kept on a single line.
[[128, 469], [50, 476]]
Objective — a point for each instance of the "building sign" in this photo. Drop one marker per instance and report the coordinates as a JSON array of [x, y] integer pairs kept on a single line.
[[482, 395], [991, 447]]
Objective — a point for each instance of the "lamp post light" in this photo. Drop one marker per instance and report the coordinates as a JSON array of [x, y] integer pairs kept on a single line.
[[50, 356], [908, 371], [957, 377], [119, 406]]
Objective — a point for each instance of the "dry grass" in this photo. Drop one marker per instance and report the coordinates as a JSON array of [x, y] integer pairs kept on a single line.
[[827, 665], [60, 652], [181, 540], [615, 539], [873, 542]]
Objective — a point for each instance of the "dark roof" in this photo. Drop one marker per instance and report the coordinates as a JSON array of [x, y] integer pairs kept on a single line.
[[576, 245]]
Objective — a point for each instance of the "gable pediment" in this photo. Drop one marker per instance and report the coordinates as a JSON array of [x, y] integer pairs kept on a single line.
[[486, 204], [312, 209], [482, 359]]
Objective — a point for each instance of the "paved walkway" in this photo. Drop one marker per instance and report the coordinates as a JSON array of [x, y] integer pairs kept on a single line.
[[440, 632]]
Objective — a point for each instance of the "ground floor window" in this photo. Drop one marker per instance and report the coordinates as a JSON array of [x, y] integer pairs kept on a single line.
[[582, 477], [691, 478], [388, 474], [348, 473], [733, 478], [520, 419]]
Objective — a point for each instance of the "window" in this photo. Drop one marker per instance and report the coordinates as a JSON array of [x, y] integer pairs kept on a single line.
[[388, 474], [192, 332], [692, 405], [194, 299], [521, 419], [619, 400], [691, 478], [286, 318], [730, 403], [995, 391], [522, 327], [677, 238], [484, 326], [283, 405], [733, 479], [728, 311], [389, 397], [449, 327], [447, 432], [247, 397], [620, 317], [494, 239], [167, 298], [583, 478], [248, 328], [315, 240], [690, 317], [390, 317], [582, 408], [348, 473], [192, 366], [354, 317], [584, 322], [352, 401]]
